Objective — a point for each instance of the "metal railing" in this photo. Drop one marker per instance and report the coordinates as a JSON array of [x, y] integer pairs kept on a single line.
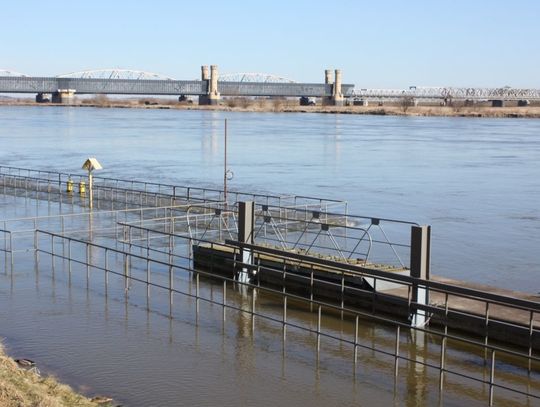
[[18, 234], [445, 340], [495, 307], [170, 191], [163, 247]]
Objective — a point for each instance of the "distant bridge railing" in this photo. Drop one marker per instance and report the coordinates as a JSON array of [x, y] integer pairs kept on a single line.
[[13, 84], [505, 93]]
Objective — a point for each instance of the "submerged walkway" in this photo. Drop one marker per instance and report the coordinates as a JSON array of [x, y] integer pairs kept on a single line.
[[301, 252]]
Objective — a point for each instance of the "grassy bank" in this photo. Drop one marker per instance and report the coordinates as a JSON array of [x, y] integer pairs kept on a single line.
[[25, 388], [290, 106]]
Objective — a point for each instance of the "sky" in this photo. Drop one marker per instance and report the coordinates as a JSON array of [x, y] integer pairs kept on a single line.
[[376, 44]]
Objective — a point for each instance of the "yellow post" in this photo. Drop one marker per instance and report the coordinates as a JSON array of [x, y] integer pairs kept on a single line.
[[69, 186], [82, 188]]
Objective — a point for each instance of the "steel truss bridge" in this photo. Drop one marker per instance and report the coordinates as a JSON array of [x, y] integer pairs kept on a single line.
[[134, 82], [447, 93], [130, 82]]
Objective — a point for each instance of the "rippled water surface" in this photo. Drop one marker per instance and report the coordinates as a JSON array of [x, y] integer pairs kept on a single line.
[[476, 181]]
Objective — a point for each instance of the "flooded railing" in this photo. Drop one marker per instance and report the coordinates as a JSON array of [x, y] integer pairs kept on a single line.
[[448, 344], [449, 302], [353, 239], [170, 191], [155, 242], [17, 235]]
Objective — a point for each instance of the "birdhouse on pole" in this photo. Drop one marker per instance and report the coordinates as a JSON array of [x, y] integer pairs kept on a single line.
[[90, 165]]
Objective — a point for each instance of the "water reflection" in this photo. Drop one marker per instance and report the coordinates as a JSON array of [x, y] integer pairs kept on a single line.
[[212, 138], [417, 379]]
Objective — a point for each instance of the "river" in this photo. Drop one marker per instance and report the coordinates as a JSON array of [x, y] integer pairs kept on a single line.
[[476, 181]]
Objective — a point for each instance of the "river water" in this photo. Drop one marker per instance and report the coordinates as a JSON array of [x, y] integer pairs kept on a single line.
[[476, 181]]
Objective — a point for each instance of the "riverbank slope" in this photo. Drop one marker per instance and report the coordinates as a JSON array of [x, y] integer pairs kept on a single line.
[[22, 388]]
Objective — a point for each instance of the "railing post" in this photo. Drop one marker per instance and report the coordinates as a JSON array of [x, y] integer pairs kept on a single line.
[[420, 265], [69, 257], [106, 272], [355, 340], [63, 235], [36, 246], [318, 330], [396, 353], [253, 310], [224, 300], [11, 250], [491, 377], [442, 364], [148, 282], [126, 268], [531, 322], [197, 295], [170, 290], [87, 265], [284, 318], [52, 253]]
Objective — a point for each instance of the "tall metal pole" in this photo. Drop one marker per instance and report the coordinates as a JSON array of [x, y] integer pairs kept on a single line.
[[90, 190], [225, 169]]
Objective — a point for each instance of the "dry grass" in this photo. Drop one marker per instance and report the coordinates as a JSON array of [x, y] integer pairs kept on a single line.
[[22, 388], [291, 105]]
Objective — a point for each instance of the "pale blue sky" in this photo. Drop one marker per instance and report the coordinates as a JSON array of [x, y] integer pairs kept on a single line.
[[375, 43]]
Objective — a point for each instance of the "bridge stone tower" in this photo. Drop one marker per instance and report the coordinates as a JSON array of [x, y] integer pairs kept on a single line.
[[205, 77], [337, 95], [212, 97], [328, 80]]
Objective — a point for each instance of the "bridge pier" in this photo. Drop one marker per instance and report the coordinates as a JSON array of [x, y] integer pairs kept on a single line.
[[64, 96], [360, 102], [212, 97], [497, 103], [43, 98]]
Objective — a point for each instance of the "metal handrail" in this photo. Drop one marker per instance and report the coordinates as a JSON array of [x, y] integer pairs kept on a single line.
[[318, 304], [451, 289], [296, 297]]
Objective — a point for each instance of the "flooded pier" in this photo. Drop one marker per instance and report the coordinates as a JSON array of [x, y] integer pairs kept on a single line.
[[337, 291]]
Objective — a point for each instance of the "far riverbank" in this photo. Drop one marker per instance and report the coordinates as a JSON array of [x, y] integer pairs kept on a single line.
[[279, 106]]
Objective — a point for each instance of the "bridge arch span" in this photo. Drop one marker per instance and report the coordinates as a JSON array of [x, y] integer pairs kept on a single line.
[[253, 77], [9, 72], [115, 73]]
